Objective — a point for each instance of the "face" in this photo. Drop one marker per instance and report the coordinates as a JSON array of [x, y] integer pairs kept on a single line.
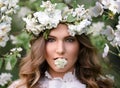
[[61, 45]]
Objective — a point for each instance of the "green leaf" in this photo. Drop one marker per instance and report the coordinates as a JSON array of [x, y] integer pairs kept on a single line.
[[1, 62], [53, 1], [75, 4], [70, 18], [46, 33], [60, 6], [13, 60], [105, 17]]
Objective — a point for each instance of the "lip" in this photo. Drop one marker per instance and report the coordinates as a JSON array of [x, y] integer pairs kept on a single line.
[[60, 58]]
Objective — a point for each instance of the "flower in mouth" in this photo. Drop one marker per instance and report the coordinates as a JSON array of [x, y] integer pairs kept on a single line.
[[60, 62]]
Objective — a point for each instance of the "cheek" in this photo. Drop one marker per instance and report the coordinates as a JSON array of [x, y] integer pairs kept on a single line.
[[49, 49], [73, 50]]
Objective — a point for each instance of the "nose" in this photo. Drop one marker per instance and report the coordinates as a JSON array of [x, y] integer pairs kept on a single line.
[[60, 48]]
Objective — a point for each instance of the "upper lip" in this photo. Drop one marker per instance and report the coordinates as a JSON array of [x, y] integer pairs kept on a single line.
[[59, 57]]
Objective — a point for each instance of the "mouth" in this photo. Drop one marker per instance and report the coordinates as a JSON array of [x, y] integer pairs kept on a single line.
[[60, 62]]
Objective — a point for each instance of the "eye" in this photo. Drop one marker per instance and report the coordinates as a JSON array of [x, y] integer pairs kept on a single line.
[[50, 39], [70, 39]]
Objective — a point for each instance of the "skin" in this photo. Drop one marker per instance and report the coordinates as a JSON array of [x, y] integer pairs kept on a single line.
[[61, 44]]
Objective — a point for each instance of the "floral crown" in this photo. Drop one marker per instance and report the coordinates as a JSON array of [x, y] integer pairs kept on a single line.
[[50, 15]]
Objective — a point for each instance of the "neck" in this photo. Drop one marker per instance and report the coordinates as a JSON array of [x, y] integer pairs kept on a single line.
[[60, 74]]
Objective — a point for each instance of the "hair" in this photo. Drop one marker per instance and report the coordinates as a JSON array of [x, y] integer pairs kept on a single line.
[[88, 70]]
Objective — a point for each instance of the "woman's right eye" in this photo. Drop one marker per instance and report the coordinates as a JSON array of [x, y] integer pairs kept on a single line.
[[50, 40]]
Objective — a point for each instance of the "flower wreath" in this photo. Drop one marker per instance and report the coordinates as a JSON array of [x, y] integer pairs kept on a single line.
[[50, 15]]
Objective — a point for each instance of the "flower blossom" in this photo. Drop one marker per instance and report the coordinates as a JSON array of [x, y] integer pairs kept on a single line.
[[5, 78], [96, 10], [106, 49]]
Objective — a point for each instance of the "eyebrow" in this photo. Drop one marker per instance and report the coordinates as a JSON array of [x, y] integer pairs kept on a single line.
[[65, 36]]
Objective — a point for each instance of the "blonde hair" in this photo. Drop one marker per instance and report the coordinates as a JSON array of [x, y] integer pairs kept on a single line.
[[30, 71]]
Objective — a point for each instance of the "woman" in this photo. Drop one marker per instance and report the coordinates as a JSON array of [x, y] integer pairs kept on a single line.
[[38, 68], [61, 58]]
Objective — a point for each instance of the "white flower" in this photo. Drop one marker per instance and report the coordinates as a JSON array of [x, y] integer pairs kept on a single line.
[[78, 29], [3, 40], [118, 26], [71, 29], [19, 49], [60, 62], [48, 5], [9, 6], [4, 28], [81, 27], [6, 19], [5, 78], [116, 40], [80, 11], [96, 28], [106, 50], [32, 26], [42, 17], [106, 3], [109, 33], [49, 19], [16, 49], [96, 10], [114, 6], [3, 9]]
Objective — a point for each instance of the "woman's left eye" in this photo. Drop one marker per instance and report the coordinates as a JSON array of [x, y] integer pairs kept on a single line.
[[50, 40], [70, 39]]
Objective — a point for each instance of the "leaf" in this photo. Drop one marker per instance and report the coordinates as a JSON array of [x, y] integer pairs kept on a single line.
[[46, 33], [1, 62], [105, 17], [13, 60], [60, 6], [70, 18], [75, 4]]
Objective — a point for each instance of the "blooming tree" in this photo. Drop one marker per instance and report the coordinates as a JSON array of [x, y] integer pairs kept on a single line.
[[108, 10]]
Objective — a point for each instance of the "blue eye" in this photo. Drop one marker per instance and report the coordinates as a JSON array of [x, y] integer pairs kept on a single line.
[[50, 40]]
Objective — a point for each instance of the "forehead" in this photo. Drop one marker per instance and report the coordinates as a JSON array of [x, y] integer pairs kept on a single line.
[[61, 30]]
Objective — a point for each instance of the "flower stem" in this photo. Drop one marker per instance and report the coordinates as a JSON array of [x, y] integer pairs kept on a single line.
[[113, 53], [118, 49]]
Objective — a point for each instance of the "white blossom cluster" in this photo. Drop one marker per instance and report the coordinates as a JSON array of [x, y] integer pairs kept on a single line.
[[7, 7], [50, 16], [112, 5], [112, 35], [60, 62], [15, 51], [5, 78]]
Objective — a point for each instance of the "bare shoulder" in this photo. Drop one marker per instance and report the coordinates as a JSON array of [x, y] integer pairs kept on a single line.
[[16, 83]]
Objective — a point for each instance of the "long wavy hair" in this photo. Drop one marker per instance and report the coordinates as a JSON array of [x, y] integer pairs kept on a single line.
[[88, 70]]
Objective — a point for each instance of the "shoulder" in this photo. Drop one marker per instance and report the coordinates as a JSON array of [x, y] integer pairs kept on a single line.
[[17, 83]]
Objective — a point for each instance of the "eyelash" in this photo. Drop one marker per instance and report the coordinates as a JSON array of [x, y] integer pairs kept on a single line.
[[50, 40]]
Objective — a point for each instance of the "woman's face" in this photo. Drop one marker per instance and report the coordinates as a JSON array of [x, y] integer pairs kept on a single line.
[[61, 45]]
